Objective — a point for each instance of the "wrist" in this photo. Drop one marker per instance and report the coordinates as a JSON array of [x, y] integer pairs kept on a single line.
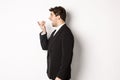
[[42, 33], [57, 78]]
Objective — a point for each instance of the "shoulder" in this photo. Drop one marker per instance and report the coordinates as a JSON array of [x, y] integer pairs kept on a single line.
[[66, 32]]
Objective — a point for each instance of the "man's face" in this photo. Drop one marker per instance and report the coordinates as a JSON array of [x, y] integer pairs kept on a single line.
[[53, 19]]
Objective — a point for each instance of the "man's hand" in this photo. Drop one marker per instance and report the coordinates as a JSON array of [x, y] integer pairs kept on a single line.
[[57, 78], [42, 26]]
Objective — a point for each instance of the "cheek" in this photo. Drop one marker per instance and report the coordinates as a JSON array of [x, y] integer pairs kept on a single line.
[[53, 19]]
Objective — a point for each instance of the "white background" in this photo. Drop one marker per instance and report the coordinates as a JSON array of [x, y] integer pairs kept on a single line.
[[94, 23]]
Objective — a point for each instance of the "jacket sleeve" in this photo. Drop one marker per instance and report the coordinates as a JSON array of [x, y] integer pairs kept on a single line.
[[44, 41], [67, 53]]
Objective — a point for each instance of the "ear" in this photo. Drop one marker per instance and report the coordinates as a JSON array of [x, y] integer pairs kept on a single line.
[[58, 17]]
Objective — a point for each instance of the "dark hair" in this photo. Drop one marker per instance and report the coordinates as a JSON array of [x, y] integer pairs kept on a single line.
[[58, 10]]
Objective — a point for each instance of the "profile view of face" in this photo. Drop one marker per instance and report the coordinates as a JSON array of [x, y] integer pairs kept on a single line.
[[53, 18]]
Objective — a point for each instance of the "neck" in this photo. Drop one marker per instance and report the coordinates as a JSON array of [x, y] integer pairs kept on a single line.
[[60, 22]]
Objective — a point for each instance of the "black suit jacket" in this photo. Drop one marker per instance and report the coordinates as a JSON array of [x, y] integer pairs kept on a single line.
[[60, 52]]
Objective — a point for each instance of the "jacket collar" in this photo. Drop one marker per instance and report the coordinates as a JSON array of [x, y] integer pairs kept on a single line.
[[57, 34]]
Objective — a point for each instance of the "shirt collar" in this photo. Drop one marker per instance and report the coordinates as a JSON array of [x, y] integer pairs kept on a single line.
[[58, 27]]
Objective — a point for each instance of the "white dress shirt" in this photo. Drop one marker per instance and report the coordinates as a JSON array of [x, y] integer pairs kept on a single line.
[[57, 28]]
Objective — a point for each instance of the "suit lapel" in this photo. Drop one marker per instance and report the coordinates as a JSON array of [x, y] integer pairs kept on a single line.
[[56, 35]]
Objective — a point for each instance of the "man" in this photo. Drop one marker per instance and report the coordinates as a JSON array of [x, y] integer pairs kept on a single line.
[[59, 45]]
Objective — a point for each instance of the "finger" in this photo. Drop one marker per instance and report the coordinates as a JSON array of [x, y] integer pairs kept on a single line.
[[38, 23], [43, 22]]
